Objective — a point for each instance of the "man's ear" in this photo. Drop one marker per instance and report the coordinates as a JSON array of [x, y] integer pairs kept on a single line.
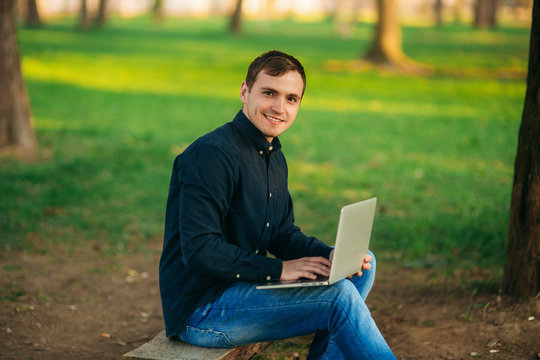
[[243, 91]]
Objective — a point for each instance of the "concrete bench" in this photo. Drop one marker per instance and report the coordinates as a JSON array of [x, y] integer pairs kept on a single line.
[[161, 348]]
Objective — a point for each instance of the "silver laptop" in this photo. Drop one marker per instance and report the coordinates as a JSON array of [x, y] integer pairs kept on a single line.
[[352, 242]]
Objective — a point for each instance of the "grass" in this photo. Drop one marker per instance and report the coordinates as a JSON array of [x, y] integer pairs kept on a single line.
[[113, 107]]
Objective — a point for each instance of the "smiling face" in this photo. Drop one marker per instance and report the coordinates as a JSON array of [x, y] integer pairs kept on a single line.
[[272, 102]]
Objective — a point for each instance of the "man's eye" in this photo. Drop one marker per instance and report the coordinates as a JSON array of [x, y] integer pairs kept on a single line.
[[292, 99], [269, 93]]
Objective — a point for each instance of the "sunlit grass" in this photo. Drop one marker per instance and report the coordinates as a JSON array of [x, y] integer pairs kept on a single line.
[[113, 107]]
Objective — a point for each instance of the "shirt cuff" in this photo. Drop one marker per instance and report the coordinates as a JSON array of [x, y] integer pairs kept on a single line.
[[271, 270]]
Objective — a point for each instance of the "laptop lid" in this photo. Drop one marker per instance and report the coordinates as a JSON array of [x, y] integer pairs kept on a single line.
[[352, 239]]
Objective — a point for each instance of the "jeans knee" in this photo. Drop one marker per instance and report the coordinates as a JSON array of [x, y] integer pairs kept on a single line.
[[348, 295], [373, 260]]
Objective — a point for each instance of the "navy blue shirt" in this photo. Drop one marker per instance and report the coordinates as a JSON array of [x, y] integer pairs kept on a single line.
[[228, 206]]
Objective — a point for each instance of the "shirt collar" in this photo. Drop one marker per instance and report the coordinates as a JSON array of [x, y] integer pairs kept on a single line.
[[254, 135]]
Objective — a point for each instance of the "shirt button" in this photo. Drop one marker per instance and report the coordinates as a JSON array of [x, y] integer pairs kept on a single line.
[[267, 224], [238, 276], [256, 251], [270, 194], [261, 152], [271, 148], [268, 278]]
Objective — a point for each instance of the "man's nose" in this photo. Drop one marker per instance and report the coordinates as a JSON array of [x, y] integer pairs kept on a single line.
[[278, 105]]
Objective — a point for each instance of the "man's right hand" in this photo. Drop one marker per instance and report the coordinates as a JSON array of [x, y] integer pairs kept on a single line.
[[306, 267]]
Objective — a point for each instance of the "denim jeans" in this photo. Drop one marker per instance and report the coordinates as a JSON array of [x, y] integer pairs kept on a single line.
[[337, 314]]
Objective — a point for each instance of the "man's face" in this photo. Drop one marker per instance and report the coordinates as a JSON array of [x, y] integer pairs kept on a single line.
[[272, 102]]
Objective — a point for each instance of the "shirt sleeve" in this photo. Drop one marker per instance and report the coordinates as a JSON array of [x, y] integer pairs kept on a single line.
[[291, 243], [207, 176]]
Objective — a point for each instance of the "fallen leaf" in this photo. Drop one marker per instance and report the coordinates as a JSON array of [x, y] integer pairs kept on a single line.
[[105, 335]]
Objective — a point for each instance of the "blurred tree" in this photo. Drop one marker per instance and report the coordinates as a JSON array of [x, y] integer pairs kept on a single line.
[[99, 21], [32, 14], [386, 47], [236, 18], [438, 11], [84, 21], [16, 132], [458, 10], [157, 10], [215, 7], [345, 16], [522, 269], [485, 13]]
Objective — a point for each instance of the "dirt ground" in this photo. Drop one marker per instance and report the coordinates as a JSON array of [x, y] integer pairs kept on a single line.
[[86, 305]]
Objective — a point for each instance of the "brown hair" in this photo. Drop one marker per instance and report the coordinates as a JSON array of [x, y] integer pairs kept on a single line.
[[274, 63]]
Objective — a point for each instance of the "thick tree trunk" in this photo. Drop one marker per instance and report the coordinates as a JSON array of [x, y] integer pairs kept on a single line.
[[236, 18], [386, 47], [101, 14], [32, 16], [16, 133], [485, 13], [522, 270], [84, 21]]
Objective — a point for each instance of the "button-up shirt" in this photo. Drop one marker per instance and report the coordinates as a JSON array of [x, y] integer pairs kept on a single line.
[[228, 206]]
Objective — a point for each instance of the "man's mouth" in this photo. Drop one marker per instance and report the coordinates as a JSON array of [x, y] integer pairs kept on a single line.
[[273, 119]]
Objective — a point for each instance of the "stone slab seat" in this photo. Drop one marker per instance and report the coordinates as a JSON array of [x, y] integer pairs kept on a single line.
[[161, 348]]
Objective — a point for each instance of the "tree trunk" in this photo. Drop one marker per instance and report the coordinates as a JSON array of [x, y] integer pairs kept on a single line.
[[236, 18], [522, 270], [458, 10], [84, 21], [485, 13], [102, 11], [32, 16], [16, 132], [386, 47], [157, 11], [438, 10]]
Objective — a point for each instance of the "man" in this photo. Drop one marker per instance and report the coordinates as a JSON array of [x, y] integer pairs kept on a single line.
[[228, 206]]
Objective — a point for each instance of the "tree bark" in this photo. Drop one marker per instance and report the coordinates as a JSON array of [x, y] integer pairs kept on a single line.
[[236, 18], [16, 133], [84, 21], [101, 15], [485, 13], [522, 269], [32, 16], [386, 47]]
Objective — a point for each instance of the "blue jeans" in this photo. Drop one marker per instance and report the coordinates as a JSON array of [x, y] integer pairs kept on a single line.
[[337, 314]]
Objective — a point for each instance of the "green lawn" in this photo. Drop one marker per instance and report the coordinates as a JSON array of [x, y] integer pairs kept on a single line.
[[113, 107]]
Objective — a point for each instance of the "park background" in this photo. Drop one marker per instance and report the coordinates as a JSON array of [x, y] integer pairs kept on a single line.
[[114, 102]]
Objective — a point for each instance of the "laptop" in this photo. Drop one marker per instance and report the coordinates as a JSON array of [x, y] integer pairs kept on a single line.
[[352, 242]]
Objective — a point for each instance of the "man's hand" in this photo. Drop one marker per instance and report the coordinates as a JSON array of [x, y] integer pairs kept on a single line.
[[366, 265], [306, 267]]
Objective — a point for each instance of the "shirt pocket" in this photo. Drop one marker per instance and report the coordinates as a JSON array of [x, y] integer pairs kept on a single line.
[[208, 338]]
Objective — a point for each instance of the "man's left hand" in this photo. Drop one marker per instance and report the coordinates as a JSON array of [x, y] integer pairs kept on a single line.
[[366, 265]]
